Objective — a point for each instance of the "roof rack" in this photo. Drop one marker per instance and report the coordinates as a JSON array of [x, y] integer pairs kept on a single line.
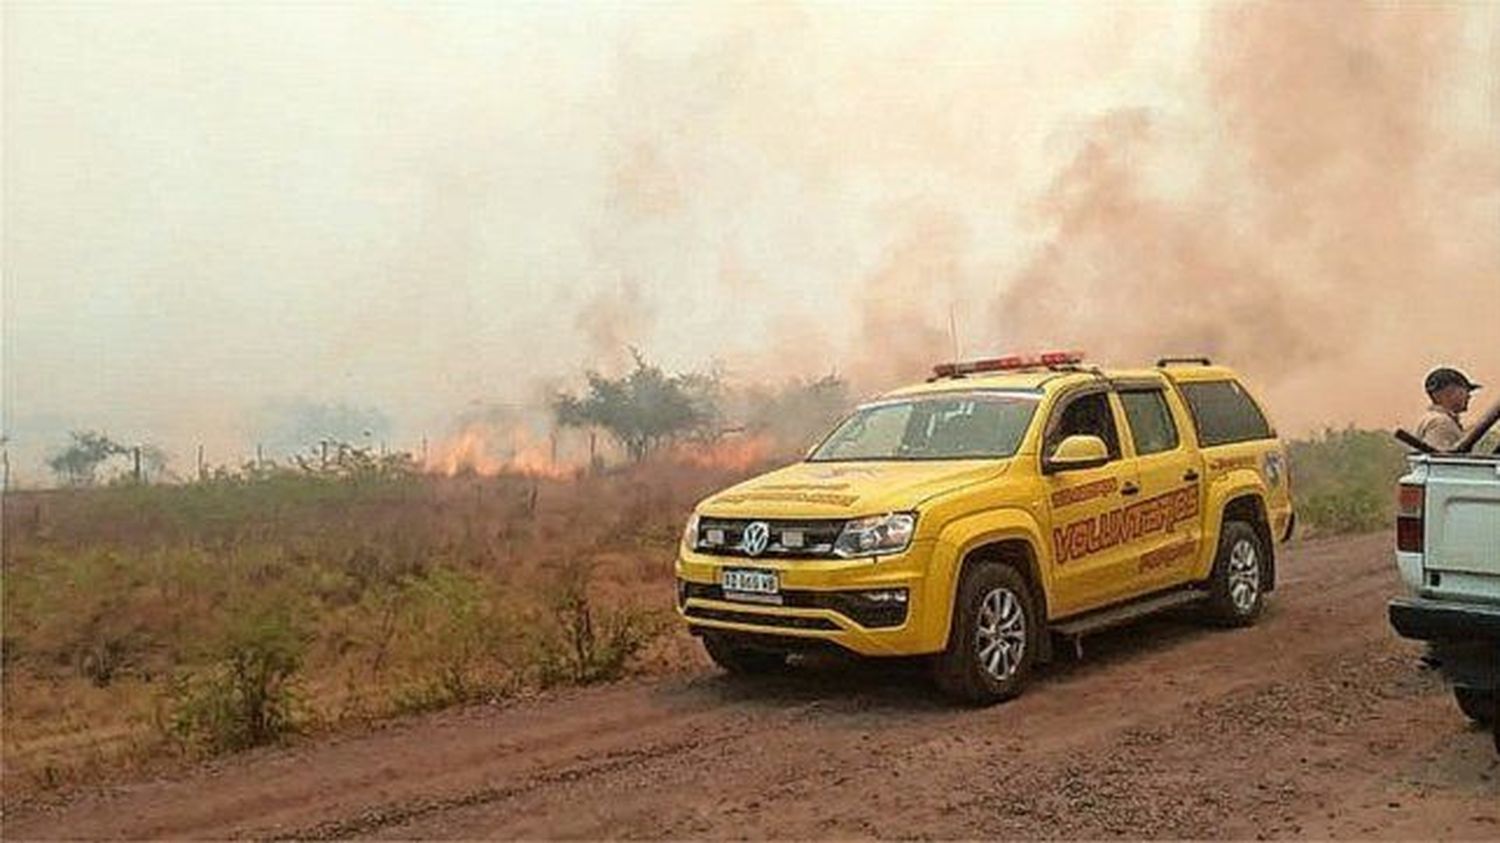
[[1182, 361]]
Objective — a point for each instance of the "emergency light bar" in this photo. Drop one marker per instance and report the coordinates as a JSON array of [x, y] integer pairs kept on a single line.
[[1009, 363]]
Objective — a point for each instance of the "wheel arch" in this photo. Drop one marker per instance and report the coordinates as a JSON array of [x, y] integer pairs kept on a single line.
[[1019, 554], [1016, 552], [1249, 506]]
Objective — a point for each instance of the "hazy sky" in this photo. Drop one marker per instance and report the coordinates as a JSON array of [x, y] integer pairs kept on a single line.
[[215, 212]]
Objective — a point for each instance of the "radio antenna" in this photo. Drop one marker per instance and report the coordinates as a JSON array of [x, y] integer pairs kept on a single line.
[[953, 331]]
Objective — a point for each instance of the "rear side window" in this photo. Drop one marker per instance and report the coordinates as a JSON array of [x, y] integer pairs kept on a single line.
[[1224, 413], [1150, 421]]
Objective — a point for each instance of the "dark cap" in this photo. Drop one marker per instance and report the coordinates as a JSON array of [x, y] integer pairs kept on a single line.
[[1443, 377]]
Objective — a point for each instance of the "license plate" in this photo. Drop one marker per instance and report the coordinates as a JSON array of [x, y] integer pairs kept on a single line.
[[752, 586]]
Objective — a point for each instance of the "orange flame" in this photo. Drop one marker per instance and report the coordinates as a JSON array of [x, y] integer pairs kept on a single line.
[[483, 450]]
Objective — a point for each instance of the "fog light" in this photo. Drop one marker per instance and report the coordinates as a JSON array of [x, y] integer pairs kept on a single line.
[[886, 596]]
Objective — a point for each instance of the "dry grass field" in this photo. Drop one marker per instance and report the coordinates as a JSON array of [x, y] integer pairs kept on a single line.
[[151, 625], [168, 621]]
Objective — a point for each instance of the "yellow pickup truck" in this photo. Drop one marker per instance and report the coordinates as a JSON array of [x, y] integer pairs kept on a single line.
[[984, 517]]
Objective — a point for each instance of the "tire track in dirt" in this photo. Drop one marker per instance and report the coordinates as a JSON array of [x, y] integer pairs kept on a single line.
[[1320, 699], [270, 793], [383, 816]]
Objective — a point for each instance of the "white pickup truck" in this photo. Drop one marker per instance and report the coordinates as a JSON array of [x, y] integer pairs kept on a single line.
[[1448, 551]]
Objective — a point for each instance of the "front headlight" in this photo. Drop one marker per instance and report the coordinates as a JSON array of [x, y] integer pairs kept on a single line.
[[690, 532], [876, 535]]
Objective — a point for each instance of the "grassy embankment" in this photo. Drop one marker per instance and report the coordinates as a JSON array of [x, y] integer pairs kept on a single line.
[[150, 622]]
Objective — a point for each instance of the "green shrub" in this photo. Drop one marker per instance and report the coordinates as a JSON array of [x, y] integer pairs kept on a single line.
[[582, 643], [246, 696], [1344, 481], [453, 638]]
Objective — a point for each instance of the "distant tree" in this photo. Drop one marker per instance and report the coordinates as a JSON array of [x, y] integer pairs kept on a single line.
[[78, 463], [706, 395], [644, 408]]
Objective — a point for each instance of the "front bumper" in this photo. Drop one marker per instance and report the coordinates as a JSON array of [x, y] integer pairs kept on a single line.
[[821, 602], [1445, 620]]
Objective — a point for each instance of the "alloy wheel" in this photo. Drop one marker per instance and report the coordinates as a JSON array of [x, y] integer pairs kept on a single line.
[[1244, 576], [1000, 634]]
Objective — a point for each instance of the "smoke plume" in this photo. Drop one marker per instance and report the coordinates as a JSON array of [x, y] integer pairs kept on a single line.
[[1330, 227]]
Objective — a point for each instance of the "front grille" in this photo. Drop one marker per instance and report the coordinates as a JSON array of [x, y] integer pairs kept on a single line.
[[783, 621], [790, 538], [850, 604]]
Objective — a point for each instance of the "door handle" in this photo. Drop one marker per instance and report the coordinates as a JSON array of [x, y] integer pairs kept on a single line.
[[1129, 489], [1190, 475]]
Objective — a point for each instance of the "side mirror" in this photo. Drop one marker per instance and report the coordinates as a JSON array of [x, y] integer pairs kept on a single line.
[[1076, 452]]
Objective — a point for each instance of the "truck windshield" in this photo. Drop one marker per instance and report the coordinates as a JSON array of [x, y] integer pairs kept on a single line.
[[948, 426]]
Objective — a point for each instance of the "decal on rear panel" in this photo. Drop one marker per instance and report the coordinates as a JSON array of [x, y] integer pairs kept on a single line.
[[1230, 463]]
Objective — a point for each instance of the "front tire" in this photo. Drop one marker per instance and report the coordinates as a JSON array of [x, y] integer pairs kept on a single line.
[[994, 638], [1237, 584], [1479, 706], [739, 659]]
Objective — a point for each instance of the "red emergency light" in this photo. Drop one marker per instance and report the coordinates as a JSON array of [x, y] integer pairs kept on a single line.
[[1008, 363], [1062, 358]]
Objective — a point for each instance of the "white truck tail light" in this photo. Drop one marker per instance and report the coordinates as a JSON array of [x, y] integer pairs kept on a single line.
[[1410, 500]]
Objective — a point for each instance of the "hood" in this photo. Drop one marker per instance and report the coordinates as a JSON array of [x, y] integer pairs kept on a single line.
[[847, 489]]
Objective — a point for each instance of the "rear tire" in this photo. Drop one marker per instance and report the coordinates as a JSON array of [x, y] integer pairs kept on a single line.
[[994, 638], [739, 659], [1237, 584], [1479, 706]]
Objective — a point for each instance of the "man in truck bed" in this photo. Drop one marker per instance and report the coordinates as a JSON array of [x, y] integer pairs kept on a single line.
[[1448, 390]]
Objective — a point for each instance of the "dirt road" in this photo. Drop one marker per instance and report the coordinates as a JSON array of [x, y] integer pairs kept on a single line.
[[1315, 723]]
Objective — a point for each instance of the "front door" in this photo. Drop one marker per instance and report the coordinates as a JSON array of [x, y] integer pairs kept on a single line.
[[1092, 565]]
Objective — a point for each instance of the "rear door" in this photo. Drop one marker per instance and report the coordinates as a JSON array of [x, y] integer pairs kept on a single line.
[[1235, 436], [1171, 480]]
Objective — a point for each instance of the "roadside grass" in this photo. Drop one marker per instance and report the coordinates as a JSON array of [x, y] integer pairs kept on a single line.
[[1344, 481], [185, 621]]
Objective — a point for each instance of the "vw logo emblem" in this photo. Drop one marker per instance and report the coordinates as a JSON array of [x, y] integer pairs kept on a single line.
[[757, 536]]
